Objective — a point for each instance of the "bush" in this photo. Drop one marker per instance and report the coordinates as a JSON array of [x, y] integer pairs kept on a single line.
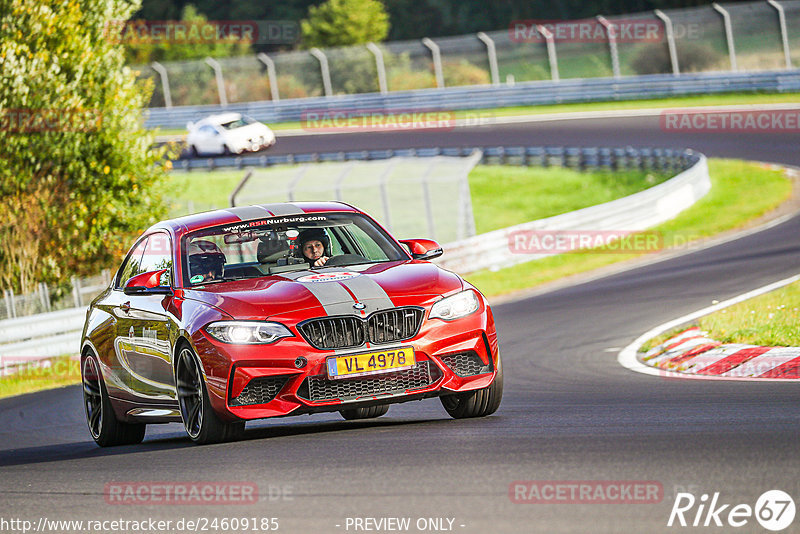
[[78, 176]]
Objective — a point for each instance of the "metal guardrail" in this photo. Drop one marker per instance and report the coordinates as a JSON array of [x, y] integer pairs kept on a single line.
[[487, 97], [545, 156], [633, 213]]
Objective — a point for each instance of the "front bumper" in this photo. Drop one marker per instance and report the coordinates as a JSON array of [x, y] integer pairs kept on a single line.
[[259, 381]]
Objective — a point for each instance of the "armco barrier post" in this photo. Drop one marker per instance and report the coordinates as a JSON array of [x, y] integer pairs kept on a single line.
[[673, 53], [491, 52], [162, 72], [551, 51], [324, 70], [223, 95], [380, 66], [436, 54], [271, 74], [611, 32], [726, 19]]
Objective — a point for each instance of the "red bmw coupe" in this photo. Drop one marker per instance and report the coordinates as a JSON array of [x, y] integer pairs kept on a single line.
[[284, 309]]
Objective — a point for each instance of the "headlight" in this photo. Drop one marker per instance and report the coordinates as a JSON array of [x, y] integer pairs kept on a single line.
[[456, 306], [247, 332]]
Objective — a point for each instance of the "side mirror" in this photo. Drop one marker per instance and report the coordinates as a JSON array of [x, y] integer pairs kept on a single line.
[[423, 249], [147, 284]]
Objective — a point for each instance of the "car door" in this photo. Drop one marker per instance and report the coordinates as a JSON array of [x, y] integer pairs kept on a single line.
[[143, 332]]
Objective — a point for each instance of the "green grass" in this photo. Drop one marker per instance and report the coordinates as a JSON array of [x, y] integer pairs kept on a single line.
[[730, 204], [726, 99], [40, 375], [504, 195], [772, 319]]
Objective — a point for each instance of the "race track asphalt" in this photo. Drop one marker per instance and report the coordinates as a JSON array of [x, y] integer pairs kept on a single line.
[[570, 412]]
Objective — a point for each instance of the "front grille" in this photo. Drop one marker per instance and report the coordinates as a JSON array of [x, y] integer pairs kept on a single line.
[[342, 332], [260, 390], [334, 332], [398, 324], [465, 363], [320, 388]]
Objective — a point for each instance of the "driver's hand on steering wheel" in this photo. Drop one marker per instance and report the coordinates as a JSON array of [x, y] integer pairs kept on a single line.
[[321, 261]]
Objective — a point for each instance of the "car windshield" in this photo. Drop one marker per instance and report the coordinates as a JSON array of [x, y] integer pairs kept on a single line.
[[275, 245], [238, 123]]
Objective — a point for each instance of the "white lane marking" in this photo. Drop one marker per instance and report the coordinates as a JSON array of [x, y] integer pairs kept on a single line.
[[627, 356]]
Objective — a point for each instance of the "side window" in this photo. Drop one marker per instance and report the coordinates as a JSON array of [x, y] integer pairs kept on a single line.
[[158, 255], [132, 264]]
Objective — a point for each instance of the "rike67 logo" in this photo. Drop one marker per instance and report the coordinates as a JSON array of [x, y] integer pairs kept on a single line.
[[774, 510]]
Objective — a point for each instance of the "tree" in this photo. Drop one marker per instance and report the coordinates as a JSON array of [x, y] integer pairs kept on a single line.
[[142, 47], [78, 174], [344, 23]]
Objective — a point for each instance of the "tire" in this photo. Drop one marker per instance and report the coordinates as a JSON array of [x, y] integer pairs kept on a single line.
[[103, 425], [369, 412], [194, 151], [478, 403], [226, 151], [199, 419]]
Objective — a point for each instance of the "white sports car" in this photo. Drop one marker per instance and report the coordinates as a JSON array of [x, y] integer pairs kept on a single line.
[[228, 133]]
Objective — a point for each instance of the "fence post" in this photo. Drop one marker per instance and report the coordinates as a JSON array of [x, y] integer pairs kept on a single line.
[[297, 177], [491, 51], [387, 216], [271, 74], [673, 53], [726, 19], [379, 64], [436, 54], [76, 291], [239, 187], [784, 37], [551, 51], [162, 72], [324, 70], [44, 296], [223, 95], [338, 184], [611, 32], [426, 195], [8, 296]]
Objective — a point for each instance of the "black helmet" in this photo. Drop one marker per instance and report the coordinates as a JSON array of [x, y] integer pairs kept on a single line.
[[205, 257], [315, 234]]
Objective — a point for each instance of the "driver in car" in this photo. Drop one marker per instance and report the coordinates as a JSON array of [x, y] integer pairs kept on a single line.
[[206, 261], [315, 245]]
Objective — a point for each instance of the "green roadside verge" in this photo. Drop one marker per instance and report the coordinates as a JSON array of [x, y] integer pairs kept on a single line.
[[729, 205], [39, 375], [485, 115], [771, 320]]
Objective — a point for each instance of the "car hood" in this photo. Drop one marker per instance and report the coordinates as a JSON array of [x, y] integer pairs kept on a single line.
[[330, 291]]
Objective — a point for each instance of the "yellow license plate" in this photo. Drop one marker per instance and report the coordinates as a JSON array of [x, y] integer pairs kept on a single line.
[[371, 363]]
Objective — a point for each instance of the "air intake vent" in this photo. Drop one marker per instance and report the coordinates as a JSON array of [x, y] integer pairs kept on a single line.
[[320, 388], [260, 390], [465, 363], [398, 324]]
